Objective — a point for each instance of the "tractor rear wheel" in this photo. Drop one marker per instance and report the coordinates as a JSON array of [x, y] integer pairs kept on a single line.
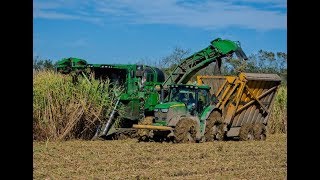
[[259, 130], [209, 133], [218, 132], [185, 131], [246, 132], [143, 134]]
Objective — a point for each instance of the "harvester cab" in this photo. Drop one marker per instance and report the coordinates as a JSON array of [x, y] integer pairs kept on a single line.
[[71, 64]]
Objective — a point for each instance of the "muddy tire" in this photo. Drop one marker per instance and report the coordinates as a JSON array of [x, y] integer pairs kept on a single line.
[[246, 132], [259, 130], [185, 131], [218, 132], [213, 119], [143, 134]]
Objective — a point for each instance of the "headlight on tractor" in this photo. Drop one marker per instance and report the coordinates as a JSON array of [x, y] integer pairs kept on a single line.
[[156, 110], [164, 110]]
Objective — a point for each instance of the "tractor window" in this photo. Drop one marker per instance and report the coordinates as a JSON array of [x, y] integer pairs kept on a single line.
[[184, 95], [203, 100], [203, 96], [191, 98]]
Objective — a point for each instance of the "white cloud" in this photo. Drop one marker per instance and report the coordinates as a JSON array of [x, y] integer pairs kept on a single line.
[[45, 5], [53, 15], [253, 14], [64, 10], [275, 2]]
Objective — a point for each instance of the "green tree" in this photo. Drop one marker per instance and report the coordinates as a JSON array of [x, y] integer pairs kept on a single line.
[[261, 62], [43, 64], [169, 62]]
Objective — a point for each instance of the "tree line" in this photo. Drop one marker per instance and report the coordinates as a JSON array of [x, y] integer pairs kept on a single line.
[[261, 62]]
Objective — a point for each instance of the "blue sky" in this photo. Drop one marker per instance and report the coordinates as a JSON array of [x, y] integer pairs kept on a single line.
[[126, 31]]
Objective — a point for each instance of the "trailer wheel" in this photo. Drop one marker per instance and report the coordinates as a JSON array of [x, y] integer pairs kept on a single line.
[[246, 132], [143, 134], [209, 133], [259, 130], [185, 131]]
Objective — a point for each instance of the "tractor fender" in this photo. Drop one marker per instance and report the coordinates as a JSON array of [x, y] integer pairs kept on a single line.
[[175, 119], [207, 111]]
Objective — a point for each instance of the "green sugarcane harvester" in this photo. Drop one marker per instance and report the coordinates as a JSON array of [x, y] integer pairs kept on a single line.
[[147, 91]]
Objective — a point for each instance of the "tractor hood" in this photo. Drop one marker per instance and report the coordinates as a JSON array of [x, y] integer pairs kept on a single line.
[[167, 114], [169, 105]]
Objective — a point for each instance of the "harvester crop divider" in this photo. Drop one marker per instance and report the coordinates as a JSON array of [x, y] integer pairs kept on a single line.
[[108, 123]]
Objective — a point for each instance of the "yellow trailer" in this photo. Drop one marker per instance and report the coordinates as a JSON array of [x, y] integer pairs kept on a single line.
[[245, 102]]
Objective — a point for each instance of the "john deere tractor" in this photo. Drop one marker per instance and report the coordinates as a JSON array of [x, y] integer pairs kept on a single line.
[[182, 117]]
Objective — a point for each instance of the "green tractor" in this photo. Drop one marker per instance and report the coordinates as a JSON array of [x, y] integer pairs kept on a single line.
[[182, 116]]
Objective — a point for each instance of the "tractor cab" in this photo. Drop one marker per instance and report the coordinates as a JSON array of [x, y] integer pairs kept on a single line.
[[182, 100], [194, 97]]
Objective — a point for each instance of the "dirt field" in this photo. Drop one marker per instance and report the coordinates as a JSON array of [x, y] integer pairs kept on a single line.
[[129, 159]]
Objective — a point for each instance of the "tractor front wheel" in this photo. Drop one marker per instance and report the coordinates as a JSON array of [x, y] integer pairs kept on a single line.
[[185, 131], [218, 132]]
